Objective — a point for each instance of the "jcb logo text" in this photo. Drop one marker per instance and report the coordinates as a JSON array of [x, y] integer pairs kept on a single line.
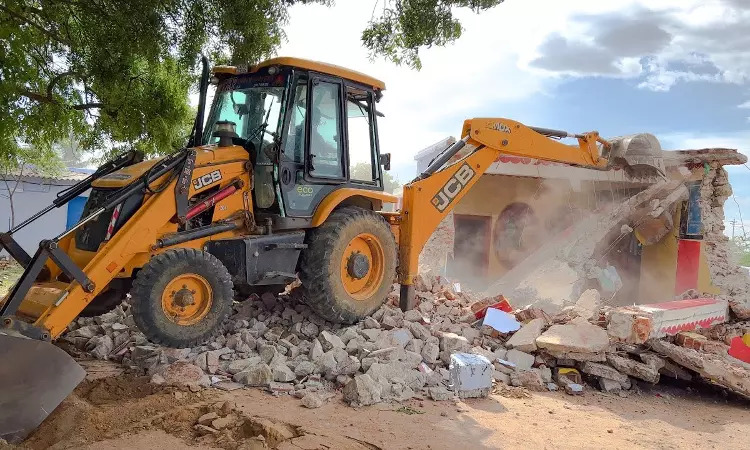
[[207, 179], [450, 190]]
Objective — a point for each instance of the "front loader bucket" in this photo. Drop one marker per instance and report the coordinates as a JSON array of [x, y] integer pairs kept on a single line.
[[639, 154], [35, 376]]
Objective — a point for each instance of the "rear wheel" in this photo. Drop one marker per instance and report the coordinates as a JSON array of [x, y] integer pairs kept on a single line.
[[181, 297], [349, 265]]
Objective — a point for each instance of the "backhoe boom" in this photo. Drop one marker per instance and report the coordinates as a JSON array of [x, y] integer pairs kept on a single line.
[[435, 192]]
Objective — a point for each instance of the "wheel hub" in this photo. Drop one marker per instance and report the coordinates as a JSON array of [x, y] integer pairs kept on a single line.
[[187, 299], [358, 266], [184, 297], [362, 263]]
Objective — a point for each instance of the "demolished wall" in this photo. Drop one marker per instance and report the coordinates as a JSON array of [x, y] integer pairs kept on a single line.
[[566, 261], [726, 274]]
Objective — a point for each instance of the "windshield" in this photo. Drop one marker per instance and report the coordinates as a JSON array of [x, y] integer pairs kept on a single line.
[[253, 104]]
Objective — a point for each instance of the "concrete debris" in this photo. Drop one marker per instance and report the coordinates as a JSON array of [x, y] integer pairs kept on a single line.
[[520, 360], [435, 351], [260, 376], [574, 389], [634, 368], [530, 379], [638, 323], [578, 337], [608, 385], [717, 370], [470, 375], [312, 400], [362, 391], [588, 304], [525, 338], [604, 371]]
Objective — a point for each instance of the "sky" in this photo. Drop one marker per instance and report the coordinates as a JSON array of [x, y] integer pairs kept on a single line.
[[679, 70]]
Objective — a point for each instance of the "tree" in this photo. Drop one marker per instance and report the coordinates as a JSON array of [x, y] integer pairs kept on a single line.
[[115, 73], [740, 249], [405, 26], [362, 171]]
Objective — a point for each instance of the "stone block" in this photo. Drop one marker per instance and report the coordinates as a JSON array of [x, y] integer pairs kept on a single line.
[[470, 375], [525, 338]]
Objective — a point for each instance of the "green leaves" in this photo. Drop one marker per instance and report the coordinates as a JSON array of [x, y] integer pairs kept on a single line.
[[405, 26], [113, 74]]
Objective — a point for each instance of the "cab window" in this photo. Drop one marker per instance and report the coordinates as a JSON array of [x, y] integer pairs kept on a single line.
[[294, 146], [361, 167], [325, 125]]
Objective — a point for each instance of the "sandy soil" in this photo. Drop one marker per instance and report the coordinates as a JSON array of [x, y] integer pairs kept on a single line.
[[125, 412]]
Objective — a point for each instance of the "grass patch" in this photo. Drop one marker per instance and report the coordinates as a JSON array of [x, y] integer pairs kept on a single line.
[[9, 273], [409, 410]]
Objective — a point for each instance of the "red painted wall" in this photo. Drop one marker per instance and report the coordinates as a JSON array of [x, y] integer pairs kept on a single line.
[[688, 264]]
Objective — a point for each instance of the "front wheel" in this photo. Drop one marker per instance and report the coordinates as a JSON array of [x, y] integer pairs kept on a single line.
[[181, 297], [349, 265]]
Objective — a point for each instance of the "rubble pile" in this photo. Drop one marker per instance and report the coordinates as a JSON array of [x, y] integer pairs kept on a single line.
[[278, 343], [438, 350]]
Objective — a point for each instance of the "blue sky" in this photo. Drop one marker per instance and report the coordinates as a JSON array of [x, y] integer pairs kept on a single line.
[[679, 70]]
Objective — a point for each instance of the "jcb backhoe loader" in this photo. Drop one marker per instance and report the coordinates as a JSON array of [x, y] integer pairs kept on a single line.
[[265, 194]]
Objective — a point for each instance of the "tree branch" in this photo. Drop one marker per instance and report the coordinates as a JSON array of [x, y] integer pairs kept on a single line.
[[91, 105], [55, 80], [50, 100], [23, 19]]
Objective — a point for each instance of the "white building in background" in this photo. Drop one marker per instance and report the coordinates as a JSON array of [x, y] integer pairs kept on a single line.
[[34, 192]]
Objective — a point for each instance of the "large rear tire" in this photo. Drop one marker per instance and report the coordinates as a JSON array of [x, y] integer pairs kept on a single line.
[[349, 265], [181, 297]]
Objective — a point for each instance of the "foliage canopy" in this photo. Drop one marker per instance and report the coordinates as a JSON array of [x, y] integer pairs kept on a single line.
[[113, 73]]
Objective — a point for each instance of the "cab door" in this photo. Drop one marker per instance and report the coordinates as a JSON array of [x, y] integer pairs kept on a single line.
[[313, 161], [330, 142]]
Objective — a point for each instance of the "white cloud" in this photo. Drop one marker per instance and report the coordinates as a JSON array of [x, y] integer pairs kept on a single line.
[[520, 50], [745, 105], [681, 41], [739, 140], [486, 66]]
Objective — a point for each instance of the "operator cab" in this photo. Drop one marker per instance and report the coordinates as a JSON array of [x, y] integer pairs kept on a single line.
[[310, 128]]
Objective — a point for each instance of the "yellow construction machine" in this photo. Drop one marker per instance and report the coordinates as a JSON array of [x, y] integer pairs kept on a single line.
[[264, 194]]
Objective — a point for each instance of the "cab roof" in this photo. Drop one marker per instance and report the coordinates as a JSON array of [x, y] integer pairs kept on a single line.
[[316, 66]]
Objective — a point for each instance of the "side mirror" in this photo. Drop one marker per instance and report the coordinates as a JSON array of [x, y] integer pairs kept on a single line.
[[385, 161]]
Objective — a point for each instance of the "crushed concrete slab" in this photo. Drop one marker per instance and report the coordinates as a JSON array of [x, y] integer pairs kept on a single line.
[[633, 368], [604, 371], [579, 337], [525, 338], [519, 360], [718, 370]]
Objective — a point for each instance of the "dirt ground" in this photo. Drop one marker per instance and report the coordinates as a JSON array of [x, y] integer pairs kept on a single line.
[[125, 412]]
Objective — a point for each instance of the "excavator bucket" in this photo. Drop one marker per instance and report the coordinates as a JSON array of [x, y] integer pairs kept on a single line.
[[639, 154], [35, 376]]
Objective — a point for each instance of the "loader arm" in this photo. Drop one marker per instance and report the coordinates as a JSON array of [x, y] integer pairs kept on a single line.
[[435, 192]]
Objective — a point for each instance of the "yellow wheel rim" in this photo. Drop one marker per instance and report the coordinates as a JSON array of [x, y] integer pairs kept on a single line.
[[187, 299], [362, 266]]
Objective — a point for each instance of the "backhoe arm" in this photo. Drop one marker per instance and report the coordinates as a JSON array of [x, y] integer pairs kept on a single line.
[[435, 192]]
